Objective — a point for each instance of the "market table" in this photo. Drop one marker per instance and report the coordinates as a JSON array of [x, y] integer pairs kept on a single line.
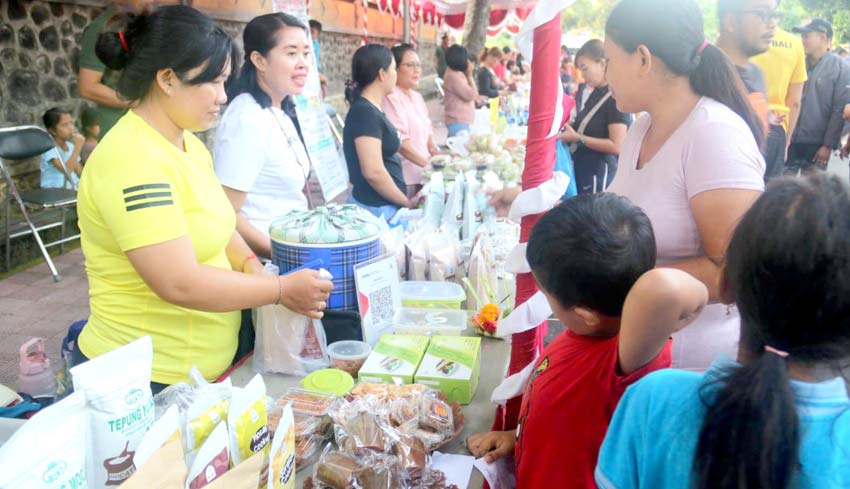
[[478, 415]]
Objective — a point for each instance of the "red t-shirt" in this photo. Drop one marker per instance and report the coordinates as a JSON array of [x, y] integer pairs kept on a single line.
[[501, 71], [566, 408]]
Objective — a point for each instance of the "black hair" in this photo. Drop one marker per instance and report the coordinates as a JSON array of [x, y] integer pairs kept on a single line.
[[399, 52], [315, 24], [366, 65], [52, 117], [260, 35], [592, 49], [590, 250], [88, 118], [457, 58], [176, 37], [506, 50], [788, 269], [673, 31]]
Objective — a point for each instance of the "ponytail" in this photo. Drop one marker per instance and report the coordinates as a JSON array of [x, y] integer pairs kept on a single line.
[[366, 66], [715, 77], [751, 435], [672, 30]]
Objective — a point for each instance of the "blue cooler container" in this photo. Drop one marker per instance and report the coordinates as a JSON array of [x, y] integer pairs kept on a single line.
[[341, 236]]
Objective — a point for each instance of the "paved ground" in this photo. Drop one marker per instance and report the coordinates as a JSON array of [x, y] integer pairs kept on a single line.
[[31, 304]]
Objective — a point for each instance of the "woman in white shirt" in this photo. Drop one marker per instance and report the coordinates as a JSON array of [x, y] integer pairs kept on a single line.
[[259, 158]]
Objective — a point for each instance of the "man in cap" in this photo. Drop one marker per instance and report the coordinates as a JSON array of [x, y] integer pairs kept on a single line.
[[825, 94]]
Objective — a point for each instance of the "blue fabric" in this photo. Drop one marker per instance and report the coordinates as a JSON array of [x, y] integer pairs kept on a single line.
[[564, 163], [317, 56], [387, 212], [456, 127], [652, 439], [50, 176]]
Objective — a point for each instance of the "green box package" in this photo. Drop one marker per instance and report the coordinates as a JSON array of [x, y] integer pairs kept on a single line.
[[452, 364], [395, 356]]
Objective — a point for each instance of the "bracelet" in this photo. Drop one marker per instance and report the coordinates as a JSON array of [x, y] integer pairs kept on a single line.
[[581, 140], [249, 257], [280, 291]]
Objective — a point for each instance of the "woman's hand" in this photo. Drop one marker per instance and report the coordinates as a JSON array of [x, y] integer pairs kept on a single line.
[[305, 292], [569, 135], [502, 200]]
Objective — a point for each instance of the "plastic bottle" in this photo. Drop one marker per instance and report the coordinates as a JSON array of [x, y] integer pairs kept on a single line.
[[36, 377]]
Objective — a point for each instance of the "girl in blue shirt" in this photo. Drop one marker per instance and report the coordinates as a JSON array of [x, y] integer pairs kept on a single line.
[[778, 418], [65, 157]]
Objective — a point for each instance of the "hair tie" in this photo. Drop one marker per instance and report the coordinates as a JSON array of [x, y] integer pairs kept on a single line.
[[123, 42], [351, 84], [775, 351], [702, 47]]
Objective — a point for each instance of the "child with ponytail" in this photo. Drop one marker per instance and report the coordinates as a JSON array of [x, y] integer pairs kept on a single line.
[[778, 417]]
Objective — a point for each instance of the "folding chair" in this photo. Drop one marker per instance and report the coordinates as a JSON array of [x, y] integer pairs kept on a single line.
[[439, 83], [21, 142]]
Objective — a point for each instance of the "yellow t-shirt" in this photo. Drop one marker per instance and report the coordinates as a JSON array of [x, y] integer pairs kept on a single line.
[[783, 64], [140, 190]]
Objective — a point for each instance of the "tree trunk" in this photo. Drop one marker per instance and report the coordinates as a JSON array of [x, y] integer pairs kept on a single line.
[[475, 28]]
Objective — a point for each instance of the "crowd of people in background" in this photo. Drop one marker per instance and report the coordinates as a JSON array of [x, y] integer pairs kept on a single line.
[[673, 234]]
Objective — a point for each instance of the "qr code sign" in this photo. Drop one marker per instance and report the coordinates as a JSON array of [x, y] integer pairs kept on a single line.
[[381, 305]]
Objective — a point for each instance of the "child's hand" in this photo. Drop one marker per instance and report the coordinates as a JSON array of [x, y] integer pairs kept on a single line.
[[493, 445]]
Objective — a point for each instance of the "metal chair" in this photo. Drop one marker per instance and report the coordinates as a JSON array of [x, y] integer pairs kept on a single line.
[[23, 142], [439, 83]]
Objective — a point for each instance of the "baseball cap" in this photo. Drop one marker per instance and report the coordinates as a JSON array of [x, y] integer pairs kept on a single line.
[[816, 25]]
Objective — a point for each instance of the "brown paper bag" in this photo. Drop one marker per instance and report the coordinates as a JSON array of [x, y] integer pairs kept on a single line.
[[165, 469], [244, 476]]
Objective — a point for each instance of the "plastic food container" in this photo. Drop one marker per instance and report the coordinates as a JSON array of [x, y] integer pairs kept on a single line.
[[308, 403], [428, 322], [330, 380], [435, 295], [349, 355]]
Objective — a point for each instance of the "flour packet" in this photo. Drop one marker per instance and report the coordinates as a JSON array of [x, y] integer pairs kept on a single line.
[[212, 460], [282, 455], [49, 450], [248, 421], [120, 408]]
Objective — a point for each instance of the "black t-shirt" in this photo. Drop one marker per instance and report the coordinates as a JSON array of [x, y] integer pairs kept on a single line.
[[753, 78], [364, 119], [597, 127]]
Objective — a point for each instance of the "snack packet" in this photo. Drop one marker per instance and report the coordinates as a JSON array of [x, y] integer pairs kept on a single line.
[[27, 461], [248, 421], [282, 456], [210, 406], [121, 409], [212, 460], [165, 430]]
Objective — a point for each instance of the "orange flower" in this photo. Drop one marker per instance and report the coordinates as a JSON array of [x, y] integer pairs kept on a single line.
[[490, 313]]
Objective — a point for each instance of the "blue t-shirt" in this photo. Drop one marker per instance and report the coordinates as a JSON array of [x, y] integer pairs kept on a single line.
[[652, 439], [50, 176]]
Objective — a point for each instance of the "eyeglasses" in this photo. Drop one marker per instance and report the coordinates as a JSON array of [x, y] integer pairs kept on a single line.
[[412, 66], [766, 16]]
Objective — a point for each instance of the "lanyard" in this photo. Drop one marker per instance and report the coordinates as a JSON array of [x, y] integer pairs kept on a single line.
[[293, 141]]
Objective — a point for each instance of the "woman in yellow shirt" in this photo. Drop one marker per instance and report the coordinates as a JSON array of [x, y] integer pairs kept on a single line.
[[162, 254]]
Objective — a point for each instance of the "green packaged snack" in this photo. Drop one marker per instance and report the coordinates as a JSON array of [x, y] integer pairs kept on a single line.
[[452, 364], [394, 359]]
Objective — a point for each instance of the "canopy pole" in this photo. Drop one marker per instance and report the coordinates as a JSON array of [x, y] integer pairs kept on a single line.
[[406, 11]]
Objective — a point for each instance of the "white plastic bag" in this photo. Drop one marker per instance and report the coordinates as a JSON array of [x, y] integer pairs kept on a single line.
[[287, 342], [166, 429], [118, 396], [453, 215], [435, 202], [443, 251], [212, 461], [49, 450], [471, 212]]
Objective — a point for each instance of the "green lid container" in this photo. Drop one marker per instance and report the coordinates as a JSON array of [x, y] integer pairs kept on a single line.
[[330, 380]]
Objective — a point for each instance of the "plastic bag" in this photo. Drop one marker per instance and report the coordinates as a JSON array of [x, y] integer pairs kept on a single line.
[[443, 256], [417, 258], [121, 409], [564, 163], [248, 421], [471, 212], [209, 408], [212, 460], [165, 430], [287, 342], [435, 202], [282, 456], [453, 215], [29, 461]]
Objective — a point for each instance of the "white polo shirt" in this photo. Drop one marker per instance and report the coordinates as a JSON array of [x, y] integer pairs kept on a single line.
[[257, 151]]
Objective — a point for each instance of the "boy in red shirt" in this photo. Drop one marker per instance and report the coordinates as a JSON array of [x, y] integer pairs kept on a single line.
[[594, 257]]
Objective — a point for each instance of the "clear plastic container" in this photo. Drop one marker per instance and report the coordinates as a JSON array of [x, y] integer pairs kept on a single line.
[[433, 295], [349, 355], [444, 322], [308, 403]]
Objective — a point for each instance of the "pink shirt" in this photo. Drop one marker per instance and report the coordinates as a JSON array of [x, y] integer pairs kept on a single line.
[[713, 149], [460, 98], [409, 115]]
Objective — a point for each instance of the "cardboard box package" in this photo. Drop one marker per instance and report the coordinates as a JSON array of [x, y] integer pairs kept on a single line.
[[395, 356], [452, 364]]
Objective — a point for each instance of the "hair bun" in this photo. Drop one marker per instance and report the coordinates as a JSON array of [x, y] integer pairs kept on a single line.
[[110, 50]]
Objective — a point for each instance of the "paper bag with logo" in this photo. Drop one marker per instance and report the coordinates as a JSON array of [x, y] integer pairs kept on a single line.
[[164, 469], [244, 476]]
